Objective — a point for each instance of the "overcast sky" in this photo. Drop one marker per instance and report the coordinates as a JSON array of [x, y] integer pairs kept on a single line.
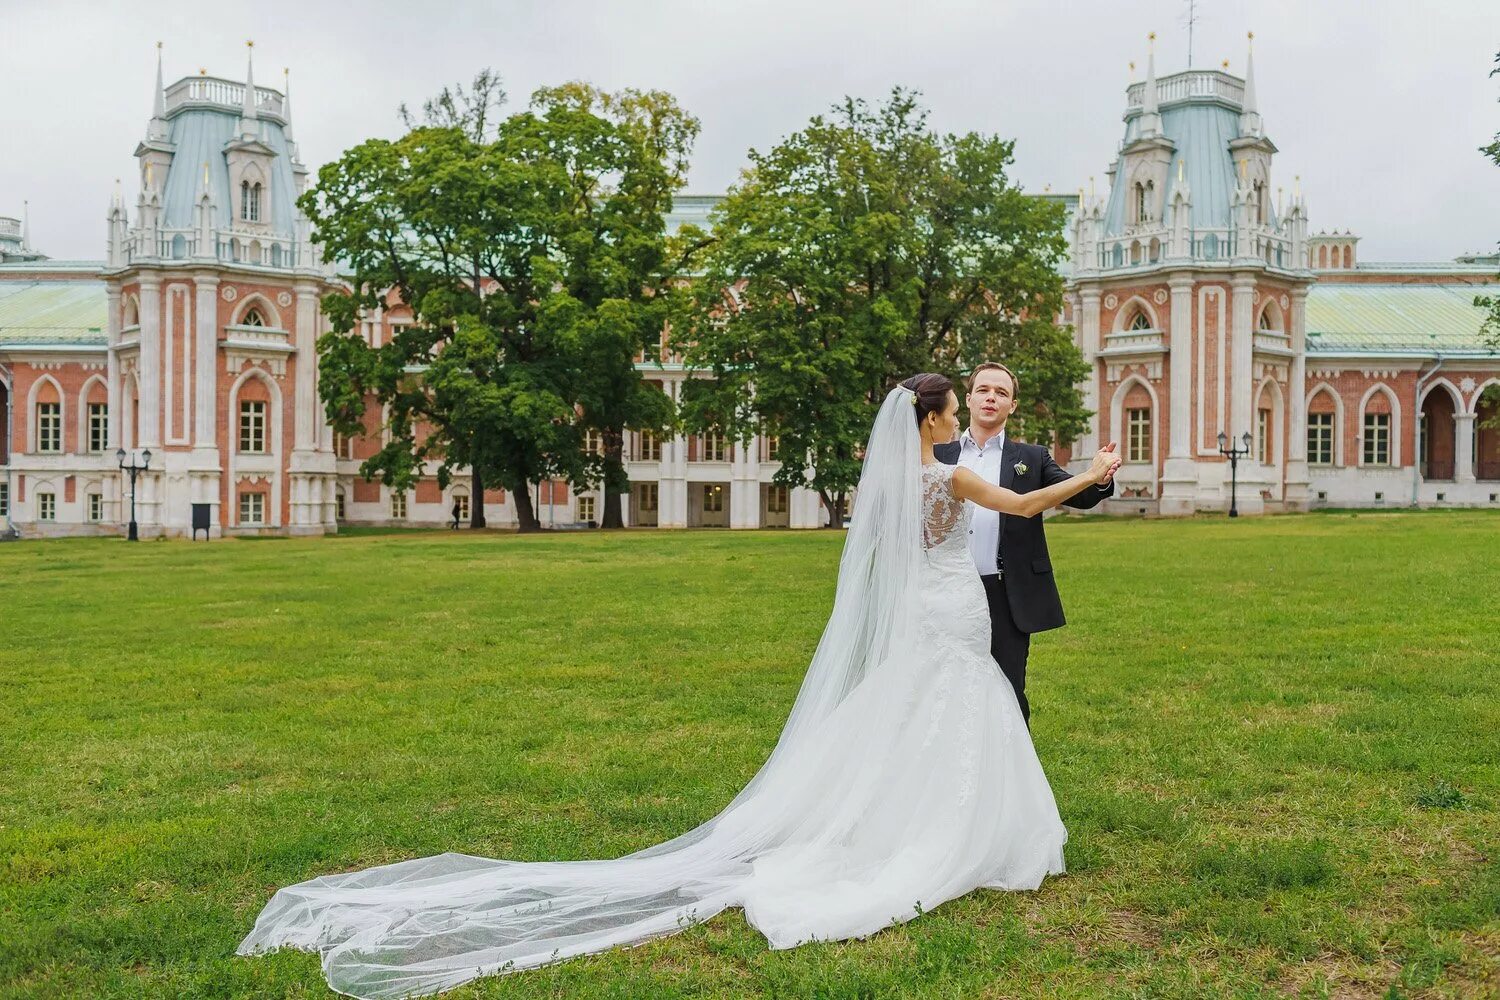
[[1378, 104]]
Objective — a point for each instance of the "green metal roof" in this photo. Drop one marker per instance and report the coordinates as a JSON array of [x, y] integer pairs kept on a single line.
[[53, 313], [1395, 319]]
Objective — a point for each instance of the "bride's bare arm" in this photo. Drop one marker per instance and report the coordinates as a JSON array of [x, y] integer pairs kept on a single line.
[[968, 486]]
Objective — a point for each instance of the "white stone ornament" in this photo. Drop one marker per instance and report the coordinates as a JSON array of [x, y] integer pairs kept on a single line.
[[284, 298], [1111, 300], [1160, 297], [229, 293], [1285, 302]]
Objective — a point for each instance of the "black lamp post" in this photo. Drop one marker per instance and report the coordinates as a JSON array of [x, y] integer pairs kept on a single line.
[[1233, 454], [134, 470]]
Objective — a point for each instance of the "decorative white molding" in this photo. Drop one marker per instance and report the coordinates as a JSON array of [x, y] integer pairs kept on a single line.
[[229, 293]]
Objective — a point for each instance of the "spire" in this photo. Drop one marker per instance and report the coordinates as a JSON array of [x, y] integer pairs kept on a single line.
[[1249, 115], [1150, 126], [25, 225], [159, 109], [157, 131], [248, 111], [286, 101]]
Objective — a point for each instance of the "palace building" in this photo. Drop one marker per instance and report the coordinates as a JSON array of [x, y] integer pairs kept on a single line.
[[1203, 301]]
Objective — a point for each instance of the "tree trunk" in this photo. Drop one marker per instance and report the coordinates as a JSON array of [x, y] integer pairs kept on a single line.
[[476, 501], [525, 512], [614, 467]]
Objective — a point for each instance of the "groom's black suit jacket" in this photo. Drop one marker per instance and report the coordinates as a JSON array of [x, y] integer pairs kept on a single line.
[[1030, 589]]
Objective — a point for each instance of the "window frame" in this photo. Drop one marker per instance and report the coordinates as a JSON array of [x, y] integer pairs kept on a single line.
[[398, 505], [252, 427], [46, 505], [715, 490], [1138, 451], [97, 427], [1378, 443], [587, 508], [49, 430], [1320, 435]]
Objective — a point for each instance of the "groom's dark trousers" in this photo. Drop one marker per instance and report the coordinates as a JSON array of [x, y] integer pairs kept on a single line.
[[1023, 597]]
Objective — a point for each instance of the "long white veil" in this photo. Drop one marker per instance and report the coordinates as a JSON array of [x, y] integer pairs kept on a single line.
[[418, 927]]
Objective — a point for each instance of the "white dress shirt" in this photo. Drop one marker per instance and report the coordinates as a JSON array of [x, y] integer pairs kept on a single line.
[[984, 524]]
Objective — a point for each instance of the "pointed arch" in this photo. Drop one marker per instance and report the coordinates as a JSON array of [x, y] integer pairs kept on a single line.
[[94, 390], [1276, 450], [130, 311], [1380, 388], [258, 302], [1271, 318], [1322, 389], [1117, 419], [1125, 315], [1473, 405], [46, 385]]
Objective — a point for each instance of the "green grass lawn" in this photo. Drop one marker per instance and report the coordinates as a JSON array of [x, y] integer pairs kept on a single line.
[[1274, 742]]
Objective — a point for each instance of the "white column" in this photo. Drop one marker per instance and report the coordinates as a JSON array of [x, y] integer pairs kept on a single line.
[[1296, 443], [1463, 443], [206, 355], [672, 491], [149, 366], [1088, 343], [112, 390], [1241, 354], [744, 494], [305, 402], [1179, 481]]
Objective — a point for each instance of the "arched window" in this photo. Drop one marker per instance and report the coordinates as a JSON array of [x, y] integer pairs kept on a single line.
[[1266, 322], [1322, 256], [253, 317], [250, 201], [132, 312], [1348, 256], [1142, 204], [1139, 321]]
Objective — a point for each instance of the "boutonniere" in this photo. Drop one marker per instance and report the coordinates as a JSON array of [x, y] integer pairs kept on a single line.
[[1020, 468]]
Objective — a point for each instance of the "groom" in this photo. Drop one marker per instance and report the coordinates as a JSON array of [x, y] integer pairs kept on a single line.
[[1009, 551]]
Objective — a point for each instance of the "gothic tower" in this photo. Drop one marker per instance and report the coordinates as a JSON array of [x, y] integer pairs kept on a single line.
[[1188, 290], [213, 317]]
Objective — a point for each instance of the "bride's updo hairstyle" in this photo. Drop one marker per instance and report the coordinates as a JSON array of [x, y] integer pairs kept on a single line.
[[931, 390]]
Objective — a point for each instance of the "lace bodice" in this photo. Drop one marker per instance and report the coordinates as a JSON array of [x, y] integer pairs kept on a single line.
[[944, 516]]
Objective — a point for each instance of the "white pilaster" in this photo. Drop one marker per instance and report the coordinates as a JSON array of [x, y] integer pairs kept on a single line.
[[1088, 343], [1296, 445], [1179, 482], [1463, 442], [149, 369]]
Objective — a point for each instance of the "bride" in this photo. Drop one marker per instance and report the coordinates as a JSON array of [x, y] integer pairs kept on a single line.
[[904, 776]]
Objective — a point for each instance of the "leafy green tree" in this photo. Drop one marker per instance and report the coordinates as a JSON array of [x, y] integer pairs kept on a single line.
[[862, 249], [526, 247]]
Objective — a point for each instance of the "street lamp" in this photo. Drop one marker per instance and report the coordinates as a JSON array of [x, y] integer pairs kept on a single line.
[[134, 470], [1233, 454]]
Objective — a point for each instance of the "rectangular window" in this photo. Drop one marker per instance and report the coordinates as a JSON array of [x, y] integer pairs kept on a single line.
[[650, 447], [776, 499], [5, 500], [49, 427], [593, 442], [1320, 438], [252, 508], [648, 496], [96, 506], [1138, 435], [585, 509], [715, 447], [1263, 436], [338, 505], [771, 444], [98, 426], [462, 503], [253, 427], [341, 446], [46, 506], [398, 505], [713, 498], [1377, 450]]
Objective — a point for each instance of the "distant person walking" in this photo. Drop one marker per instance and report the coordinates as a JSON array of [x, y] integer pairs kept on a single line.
[[456, 512]]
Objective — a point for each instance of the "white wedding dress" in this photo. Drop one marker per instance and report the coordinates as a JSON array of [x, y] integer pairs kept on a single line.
[[905, 777]]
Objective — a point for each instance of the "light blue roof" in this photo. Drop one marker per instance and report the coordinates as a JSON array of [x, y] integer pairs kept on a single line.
[[1201, 133], [200, 135]]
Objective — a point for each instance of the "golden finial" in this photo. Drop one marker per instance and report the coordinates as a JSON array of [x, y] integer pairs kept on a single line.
[[249, 43], [1151, 37], [158, 46], [1250, 35], [1225, 64], [1132, 69], [202, 70], [1091, 189]]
